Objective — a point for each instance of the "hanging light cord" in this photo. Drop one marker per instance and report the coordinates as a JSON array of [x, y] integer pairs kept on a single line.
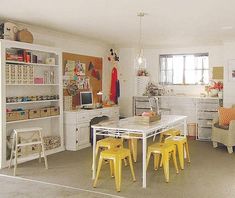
[[141, 14]]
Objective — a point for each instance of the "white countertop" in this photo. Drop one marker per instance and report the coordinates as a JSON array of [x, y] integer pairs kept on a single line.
[[184, 96]]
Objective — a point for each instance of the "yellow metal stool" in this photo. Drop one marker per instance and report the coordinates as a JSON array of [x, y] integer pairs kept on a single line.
[[170, 132], [115, 156], [164, 150], [108, 143], [181, 143]]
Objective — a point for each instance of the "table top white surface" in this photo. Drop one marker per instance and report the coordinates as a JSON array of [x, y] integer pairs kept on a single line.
[[130, 124]]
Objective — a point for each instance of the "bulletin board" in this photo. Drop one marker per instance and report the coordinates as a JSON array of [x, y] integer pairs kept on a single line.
[[89, 71]]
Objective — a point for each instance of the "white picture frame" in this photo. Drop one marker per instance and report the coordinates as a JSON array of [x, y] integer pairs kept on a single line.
[[231, 70]]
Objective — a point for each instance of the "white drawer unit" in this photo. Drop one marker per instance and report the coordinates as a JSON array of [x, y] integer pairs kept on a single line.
[[206, 110], [204, 133], [77, 125]]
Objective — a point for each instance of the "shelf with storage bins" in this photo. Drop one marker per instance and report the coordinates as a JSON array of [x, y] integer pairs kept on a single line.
[[206, 110], [30, 71], [33, 119], [29, 102]]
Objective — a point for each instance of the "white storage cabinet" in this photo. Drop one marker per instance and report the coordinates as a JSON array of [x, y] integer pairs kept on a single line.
[[207, 109], [77, 125]]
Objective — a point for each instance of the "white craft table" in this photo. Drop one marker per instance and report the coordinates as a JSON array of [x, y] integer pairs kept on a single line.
[[123, 128]]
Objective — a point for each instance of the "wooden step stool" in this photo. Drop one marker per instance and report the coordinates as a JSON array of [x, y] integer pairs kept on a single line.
[[16, 145]]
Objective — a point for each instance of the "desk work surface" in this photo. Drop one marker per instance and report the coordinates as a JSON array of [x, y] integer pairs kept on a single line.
[[131, 124]]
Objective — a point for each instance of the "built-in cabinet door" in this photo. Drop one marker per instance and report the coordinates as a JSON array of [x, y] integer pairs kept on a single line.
[[83, 133], [71, 137]]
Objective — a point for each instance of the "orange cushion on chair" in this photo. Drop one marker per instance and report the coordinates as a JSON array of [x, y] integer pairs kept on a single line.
[[226, 115]]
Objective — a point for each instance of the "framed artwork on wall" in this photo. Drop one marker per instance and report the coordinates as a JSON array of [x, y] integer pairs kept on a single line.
[[231, 70]]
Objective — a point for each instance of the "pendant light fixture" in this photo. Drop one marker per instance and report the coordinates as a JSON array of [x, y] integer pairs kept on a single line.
[[140, 61]]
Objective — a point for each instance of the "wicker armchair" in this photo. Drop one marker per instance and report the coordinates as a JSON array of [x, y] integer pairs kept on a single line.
[[225, 136]]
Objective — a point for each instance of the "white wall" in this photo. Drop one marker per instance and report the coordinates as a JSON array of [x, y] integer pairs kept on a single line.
[[152, 56], [126, 78], [127, 56], [73, 44], [229, 87]]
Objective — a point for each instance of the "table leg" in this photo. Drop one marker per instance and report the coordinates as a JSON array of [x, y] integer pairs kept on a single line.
[[185, 127], [185, 133], [94, 155], [144, 159]]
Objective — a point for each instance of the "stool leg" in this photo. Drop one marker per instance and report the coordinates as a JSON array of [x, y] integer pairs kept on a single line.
[[156, 161], [161, 162], [161, 137], [181, 155], [125, 162], [131, 167], [119, 174], [165, 157], [12, 150], [187, 151], [116, 171], [98, 171], [43, 150], [134, 144], [148, 158], [174, 160], [16, 153], [111, 168]]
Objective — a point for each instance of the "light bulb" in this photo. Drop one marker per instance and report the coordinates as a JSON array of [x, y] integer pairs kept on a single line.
[[140, 60]]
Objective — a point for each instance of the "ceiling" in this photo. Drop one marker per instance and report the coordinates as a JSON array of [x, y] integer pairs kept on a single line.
[[168, 23]]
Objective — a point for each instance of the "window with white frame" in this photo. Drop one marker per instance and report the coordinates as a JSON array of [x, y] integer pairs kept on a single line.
[[183, 69]]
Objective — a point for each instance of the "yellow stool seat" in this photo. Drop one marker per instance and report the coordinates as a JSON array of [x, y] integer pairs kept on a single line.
[[109, 143], [163, 150], [115, 156], [170, 132], [181, 143]]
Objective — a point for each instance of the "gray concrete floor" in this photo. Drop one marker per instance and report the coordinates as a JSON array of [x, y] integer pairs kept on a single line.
[[211, 174]]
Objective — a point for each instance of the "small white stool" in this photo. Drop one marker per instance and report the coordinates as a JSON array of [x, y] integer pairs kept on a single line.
[[16, 145]]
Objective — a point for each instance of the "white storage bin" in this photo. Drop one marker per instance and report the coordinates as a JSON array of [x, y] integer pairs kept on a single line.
[[208, 106], [204, 133], [142, 98], [204, 123], [143, 104], [211, 101], [207, 115]]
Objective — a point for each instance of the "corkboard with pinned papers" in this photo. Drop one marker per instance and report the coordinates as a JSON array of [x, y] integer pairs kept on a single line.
[[81, 73]]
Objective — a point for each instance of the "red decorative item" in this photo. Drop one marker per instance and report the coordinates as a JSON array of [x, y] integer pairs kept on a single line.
[[113, 90], [93, 73], [217, 85]]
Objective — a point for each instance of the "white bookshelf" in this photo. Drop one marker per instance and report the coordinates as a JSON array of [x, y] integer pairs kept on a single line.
[[52, 125]]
